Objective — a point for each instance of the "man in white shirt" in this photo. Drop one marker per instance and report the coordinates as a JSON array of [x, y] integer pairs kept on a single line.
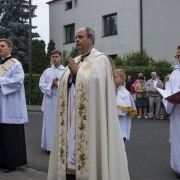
[[49, 84], [13, 111], [154, 95]]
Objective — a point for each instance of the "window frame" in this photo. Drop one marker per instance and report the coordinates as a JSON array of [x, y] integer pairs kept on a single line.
[[72, 39], [113, 56], [105, 25], [67, 7]]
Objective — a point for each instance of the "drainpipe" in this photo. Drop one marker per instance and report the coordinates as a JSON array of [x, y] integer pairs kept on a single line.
[[141, 25]]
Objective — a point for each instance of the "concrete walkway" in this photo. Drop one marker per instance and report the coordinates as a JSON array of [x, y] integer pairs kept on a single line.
[[34, 108], [23, 173]]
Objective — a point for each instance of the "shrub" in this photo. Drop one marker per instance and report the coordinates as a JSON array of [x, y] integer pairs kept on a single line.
[[36, 94]]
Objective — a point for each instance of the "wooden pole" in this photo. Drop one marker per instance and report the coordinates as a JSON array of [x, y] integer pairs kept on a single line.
[[30, 50]]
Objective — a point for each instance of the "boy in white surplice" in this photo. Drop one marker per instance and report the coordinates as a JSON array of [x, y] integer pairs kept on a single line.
[[125, 104], [49, 84]]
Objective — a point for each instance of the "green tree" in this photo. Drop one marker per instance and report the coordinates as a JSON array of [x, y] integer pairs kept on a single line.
[[39, 61], [138, 58], [50, 48], [14, 18], [74, 53]]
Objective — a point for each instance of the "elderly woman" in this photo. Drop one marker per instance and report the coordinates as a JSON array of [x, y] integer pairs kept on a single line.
[[142, 99]]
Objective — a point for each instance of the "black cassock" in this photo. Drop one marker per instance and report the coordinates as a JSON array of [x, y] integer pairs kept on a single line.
[[12, 142], [12, 145]]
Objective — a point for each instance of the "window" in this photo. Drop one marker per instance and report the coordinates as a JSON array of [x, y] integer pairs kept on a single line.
[[75, 3], [70, 33], [113, 56], [110, 24], [68, 5]]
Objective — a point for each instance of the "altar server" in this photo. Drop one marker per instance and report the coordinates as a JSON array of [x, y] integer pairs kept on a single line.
[[125, 104], [13, 111], [173, 107], [49, 84]]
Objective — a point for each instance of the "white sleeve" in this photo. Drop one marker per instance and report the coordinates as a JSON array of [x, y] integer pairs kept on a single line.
[[15, 80], [43, 84], [168, 106]]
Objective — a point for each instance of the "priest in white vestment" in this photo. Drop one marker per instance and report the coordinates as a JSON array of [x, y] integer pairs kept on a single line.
[[174, 108], [125, 104], [13, 111], [49, 84], [87, 140]]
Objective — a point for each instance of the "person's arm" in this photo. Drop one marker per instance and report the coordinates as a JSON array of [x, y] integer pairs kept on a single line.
[[148, 86], [15, 80], [137, 88], [45, 87]]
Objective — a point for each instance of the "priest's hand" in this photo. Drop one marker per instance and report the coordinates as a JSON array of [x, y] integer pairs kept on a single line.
[[72, 66]]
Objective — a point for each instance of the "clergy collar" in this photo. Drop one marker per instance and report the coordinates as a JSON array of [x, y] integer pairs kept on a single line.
[[3, 60], [86, 54]]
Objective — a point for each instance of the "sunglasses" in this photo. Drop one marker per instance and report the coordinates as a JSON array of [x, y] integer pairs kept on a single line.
[[177, 56]]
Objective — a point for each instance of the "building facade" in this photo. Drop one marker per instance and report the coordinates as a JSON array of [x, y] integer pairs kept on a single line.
[[121, 26]]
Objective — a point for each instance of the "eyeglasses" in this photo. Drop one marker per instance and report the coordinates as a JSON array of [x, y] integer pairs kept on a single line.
[[177, 56]]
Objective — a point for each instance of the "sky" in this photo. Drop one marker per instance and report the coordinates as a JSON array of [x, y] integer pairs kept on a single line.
[[42, 19]]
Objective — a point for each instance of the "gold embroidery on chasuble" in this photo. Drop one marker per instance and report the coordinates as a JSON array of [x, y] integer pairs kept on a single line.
[[82, 124], [62, 126]]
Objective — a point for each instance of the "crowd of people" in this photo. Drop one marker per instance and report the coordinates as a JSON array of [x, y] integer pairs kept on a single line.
[[146, 97], [87, 111]]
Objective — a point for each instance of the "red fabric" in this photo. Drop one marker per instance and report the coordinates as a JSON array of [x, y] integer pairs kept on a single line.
[[133, 89]]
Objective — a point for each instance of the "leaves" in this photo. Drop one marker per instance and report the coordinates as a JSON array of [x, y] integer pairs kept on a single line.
[[39, 62], [74, 53], [50, 48], [14, 25]]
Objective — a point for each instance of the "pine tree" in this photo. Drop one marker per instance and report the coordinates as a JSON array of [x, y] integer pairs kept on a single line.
[[50, 48], [14, 18], [39, 62]]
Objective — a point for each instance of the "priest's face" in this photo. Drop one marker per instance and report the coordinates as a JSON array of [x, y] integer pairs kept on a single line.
[[83, 43], [5, 50], [178, 55], [56, 59]]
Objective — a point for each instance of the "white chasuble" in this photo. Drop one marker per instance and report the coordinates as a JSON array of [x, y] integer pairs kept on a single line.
[[99, 148]]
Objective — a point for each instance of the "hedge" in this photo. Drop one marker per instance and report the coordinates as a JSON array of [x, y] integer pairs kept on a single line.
[[146, 70], [37, 95]]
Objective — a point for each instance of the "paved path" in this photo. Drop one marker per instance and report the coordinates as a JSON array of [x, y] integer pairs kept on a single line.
[[23, 173], [148, 151]]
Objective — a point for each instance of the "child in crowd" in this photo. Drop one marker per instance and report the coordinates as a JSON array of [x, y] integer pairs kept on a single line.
[[125, 104]]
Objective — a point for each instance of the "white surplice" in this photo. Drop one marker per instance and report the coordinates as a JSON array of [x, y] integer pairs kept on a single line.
[[173, 87], [126, 110], [49, 103], [12, 96], [99, 152]]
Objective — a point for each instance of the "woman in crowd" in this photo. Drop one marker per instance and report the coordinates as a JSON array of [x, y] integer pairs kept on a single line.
[[142, 99]]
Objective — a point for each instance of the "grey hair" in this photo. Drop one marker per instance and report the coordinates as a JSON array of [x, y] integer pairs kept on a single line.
[[90, 32]]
